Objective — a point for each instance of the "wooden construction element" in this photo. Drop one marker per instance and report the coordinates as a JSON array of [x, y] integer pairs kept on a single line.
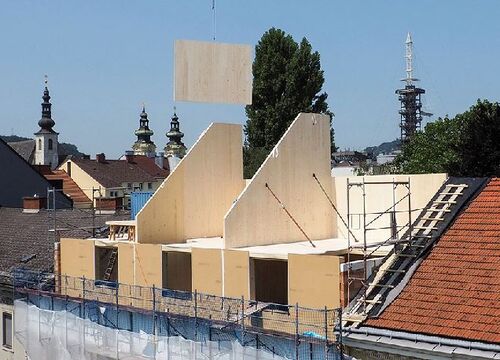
[[192, 201], [77, 258], [379, 199], [236, 274], [313, 280], [258, 218], [213, 72], [121, 230], [207, 271]]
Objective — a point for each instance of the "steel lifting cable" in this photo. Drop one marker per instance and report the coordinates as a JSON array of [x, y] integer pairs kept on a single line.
[[289, 215], [334, 208]]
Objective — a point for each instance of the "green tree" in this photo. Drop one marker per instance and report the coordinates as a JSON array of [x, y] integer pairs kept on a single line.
[[466, 145], [287, 80]]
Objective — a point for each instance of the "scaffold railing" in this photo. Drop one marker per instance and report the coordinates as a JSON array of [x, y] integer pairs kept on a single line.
[[291, 331]]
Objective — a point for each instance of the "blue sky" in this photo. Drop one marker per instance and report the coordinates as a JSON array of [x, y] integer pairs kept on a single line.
[[105, 58]]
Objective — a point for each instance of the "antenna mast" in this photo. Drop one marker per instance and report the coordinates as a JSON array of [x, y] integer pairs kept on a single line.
[[410, 98]]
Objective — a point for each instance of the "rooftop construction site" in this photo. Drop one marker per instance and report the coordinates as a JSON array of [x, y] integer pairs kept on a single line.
[[255, 241]]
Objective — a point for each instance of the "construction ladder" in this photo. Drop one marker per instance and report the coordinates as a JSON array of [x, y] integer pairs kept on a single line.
[[406, 250], [111, 263]]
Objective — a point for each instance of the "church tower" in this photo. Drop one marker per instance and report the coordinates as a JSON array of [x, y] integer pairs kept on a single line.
[[46, 139], [144, 145], [175, 147]]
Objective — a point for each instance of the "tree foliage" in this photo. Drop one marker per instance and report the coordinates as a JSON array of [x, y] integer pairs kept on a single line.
[[466, 145], [287, 80]]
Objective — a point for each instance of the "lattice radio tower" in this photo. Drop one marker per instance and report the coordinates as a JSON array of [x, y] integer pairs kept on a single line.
[[411, 105]]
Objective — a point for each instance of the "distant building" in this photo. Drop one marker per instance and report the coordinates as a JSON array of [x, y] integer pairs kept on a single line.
[[115, 179]]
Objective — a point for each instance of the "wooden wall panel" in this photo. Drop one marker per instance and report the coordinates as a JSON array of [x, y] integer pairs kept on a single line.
[[314, 280], [213, 72], [236, 274], [193, 200], [77, 258], [148, 265], [258, 219], [379, 198], [207, 271], [126, 263]]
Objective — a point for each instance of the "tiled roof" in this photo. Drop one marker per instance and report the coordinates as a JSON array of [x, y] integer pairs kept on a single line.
[[25, 234], [113, 173], [455, 292], [70, 188], [25, 148]]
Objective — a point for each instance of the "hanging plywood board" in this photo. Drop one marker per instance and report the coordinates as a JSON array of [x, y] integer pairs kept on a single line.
[[213, 72], [257, 217], [314, 280], [193, 199], [236, 274], [207, 271]]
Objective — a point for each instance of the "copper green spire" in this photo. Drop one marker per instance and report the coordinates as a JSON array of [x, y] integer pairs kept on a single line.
[[144, 145]]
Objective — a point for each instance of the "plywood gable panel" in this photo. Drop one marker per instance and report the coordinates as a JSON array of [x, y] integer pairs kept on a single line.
[[314, 280], [257, 218], [126, 263], [192, 201], [207, 271], [236, 274], [213, 72]]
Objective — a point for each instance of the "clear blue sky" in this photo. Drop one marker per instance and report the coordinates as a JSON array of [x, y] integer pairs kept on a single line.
[[104, 58]]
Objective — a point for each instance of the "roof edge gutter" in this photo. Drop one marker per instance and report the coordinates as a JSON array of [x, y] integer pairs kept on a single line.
[[464, 344]]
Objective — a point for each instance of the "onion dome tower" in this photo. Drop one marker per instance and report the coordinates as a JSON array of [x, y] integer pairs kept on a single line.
[[175, 147], [144, 145], [46, 139]]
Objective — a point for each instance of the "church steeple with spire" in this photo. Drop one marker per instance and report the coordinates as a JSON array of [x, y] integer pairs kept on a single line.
[[175, 147], [46, 139], [144, 145]]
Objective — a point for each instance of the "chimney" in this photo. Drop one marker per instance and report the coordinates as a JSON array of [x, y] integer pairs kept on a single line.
[[129, 156], [159, 159], [101, 158], [33, 204], [106, 205]]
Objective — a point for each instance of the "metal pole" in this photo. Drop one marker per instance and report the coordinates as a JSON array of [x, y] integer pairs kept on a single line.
[[364, 247], [348, 189], [341, 335], [326, 333], [154, 319], [195, 315], [296, 331], [243, 316], [410, 223]]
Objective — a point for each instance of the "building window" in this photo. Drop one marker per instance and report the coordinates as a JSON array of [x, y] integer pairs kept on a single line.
[[129, 186], [7, 330], [39, 144], [150, 186], [50, 144], [140, 186]]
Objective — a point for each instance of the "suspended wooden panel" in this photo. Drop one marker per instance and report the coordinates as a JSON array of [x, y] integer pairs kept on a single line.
[[213, 72]]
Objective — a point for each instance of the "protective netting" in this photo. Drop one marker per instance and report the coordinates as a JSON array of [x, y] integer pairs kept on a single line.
[[47, 334]]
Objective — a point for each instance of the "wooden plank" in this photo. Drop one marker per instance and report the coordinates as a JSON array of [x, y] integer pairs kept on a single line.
[[213, 72]]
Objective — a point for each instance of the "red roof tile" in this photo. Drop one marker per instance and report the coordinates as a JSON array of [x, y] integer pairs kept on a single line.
[[455, 292]]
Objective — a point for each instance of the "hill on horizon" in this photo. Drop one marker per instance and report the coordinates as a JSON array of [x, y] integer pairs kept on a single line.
[[64, 148]]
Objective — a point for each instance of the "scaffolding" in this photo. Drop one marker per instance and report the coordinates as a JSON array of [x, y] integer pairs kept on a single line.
[[368, 250], [214, 325]]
